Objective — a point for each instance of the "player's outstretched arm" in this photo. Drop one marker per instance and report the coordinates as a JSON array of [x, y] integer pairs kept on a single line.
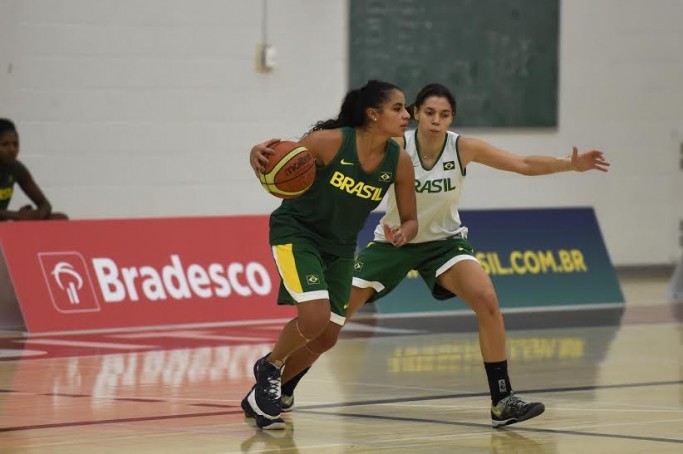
[[476, 150]]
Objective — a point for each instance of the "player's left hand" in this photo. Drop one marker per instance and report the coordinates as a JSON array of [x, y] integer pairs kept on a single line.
[[395, 235], [589, 160]]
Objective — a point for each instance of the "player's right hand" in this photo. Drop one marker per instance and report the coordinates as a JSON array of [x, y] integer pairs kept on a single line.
[[258, 158]]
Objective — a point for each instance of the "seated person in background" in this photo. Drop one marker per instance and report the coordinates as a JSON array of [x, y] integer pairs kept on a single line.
[[11, 171]]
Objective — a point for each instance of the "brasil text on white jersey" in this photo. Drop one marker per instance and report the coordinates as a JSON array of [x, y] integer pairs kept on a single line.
[[437, 191]]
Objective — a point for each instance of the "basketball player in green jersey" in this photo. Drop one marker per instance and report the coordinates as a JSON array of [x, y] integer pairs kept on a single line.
[[13, 171], [313, 237], [440, 251]]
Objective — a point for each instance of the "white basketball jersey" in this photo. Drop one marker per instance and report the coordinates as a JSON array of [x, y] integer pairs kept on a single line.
[[437, 191]]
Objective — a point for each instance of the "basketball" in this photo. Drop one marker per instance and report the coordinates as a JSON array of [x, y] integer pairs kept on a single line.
[[290, 170]]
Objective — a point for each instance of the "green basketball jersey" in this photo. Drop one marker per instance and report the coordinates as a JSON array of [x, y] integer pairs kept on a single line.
[[332, 212]]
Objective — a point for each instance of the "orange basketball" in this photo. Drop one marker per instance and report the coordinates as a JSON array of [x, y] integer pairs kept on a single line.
[[290, 170]]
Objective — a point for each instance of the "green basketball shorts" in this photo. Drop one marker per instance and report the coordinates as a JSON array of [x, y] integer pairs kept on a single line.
[[382, 266], [308, 274]]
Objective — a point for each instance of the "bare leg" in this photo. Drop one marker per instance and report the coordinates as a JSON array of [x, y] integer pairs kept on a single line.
[[305, 356], [312, 320], [469, 281]]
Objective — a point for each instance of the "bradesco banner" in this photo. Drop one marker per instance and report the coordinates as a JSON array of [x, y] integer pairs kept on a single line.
[[535, 257], [83, 275]]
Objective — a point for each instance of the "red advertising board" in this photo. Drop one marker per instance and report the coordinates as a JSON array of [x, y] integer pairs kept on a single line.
[[103, 274]]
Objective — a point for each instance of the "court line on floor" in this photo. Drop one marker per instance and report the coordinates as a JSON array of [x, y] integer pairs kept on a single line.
[[478, 425], [58, 425], [312, 408], [485, 394]]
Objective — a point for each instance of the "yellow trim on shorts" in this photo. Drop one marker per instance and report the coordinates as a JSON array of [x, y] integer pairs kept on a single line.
[[284, 258]]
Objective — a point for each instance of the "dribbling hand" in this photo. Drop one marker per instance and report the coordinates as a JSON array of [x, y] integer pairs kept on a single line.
[[258, 157]]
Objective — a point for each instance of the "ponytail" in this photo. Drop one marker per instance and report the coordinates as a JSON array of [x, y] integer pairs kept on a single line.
[[355, 104]]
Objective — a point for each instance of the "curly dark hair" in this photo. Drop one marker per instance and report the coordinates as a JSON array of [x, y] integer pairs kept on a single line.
[[356, 101]]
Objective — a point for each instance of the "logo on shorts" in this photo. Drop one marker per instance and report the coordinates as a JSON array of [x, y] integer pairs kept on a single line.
[[312, 279], [357, 266], [449, 165]]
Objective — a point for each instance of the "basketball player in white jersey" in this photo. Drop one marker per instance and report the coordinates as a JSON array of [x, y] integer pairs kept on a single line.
[[440, 252]]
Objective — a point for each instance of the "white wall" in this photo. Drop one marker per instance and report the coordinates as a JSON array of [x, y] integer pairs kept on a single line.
[[139, 108]]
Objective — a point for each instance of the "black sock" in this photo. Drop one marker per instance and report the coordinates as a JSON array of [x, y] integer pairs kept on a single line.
[[499, 382], [288, 388]]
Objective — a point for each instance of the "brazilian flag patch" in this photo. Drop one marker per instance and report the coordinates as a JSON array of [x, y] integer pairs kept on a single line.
[[385, 176]]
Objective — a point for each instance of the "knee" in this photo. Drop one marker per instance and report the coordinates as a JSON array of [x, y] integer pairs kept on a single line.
[[485, 303], [311, 324], [327, 339]]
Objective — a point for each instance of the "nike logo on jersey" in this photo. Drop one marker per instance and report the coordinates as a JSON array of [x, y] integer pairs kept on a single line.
[[346, 163]]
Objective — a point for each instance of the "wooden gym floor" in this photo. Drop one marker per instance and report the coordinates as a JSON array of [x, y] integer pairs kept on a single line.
[[612, 381]]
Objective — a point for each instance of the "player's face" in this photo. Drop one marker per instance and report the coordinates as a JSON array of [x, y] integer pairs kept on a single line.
[[9, 147], [435, 115], [393, 118]]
